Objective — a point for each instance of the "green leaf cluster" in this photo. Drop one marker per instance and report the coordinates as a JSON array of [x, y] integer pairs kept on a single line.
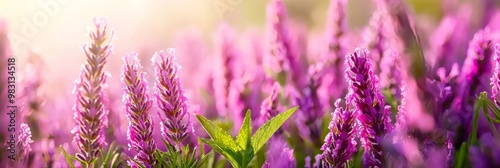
[[109, 158], [240, 151]]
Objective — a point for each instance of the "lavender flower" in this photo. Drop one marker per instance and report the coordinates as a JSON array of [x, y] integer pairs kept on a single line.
[[269, 107], [311, 107], [279, 154], [170, 98], [372, 114], [340, 142], [449, 38], [336, 27], [23, 142], [280, 49], [335, 49], [90, 113], [477, 65], [137, 105], [495, 79], [227, 70]]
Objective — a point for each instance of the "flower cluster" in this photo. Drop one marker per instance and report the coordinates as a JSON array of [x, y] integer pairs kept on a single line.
[[90, 113], [170, 98], [137, 106]]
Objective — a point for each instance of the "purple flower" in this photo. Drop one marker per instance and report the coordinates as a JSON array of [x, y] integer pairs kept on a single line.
[[279, 43], [477, 62], [23, 142], [137, 105], [90, 113], [495, 79], [340, 142], [401, 125], [227, 69], [310, 105], [335, 49], [170, 98], [279, 154], [270, 106], [372, 114], [449, 39], [336, 27]]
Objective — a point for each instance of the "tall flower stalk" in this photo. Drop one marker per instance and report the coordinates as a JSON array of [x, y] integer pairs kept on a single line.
[[270, 106], [23, 147], [495, 79], [335, 49], [280, 45], [365, 94], [340, 142], [90, 113], [476, 66], [137, 106], [226, 73], [170, 98]]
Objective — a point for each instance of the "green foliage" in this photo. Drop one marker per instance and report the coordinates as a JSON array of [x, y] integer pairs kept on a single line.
[[109, 158], [484, 103], [174, 158], [241, 151]]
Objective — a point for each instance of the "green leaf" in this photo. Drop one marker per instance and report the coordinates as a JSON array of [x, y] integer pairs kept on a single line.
[[493, 106], [461, 155], [245, 133], [137, 162], [473, 136], [229, 155], [68, 158], [243, 140], [221, 163], [265, 132], [218, 134]]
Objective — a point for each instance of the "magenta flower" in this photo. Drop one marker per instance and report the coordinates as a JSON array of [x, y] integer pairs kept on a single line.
[[137, 105], [270, 106], [279, 44], [170, 98], [495, 79], [90, 113], [478, 56], [226, 71], [365, 94], [310, 106], [476, 68], [340, 142], [279, 154], [23, 142], [336, 28], [335, 49]]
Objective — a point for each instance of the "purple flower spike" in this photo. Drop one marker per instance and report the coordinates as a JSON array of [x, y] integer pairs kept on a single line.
[[495, 79], [90, 113], [279, 154], [335, 49], [170, 98], [24, 142], [336, 26], [477, 64], [280, 50], [340, 142], [269, 107], [227, 71], [137, 105], [365, 94]]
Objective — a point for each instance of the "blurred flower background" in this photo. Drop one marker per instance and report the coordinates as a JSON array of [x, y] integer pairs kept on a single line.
[[235, 38]]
